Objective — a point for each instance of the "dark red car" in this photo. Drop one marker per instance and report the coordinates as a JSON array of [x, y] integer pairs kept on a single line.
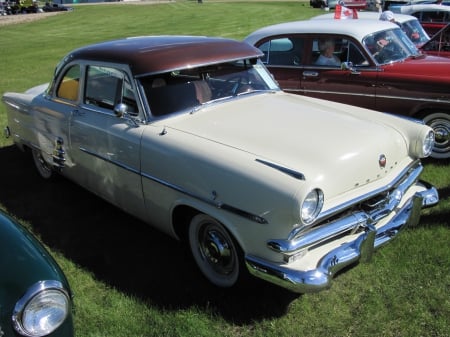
[[375, 65]]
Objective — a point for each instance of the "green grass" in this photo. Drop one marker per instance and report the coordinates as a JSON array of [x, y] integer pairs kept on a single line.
[[130, 280]]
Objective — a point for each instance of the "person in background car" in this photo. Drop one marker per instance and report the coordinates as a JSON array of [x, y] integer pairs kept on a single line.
[[388, 16], [327, 57]]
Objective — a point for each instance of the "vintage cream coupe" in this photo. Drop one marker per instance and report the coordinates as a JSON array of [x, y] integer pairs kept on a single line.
[[193, 136]]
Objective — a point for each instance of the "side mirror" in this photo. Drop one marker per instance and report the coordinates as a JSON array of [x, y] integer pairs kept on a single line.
[[349, 66], [120, 110]]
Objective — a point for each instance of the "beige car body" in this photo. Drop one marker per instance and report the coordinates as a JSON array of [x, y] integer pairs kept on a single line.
[[247, 162]]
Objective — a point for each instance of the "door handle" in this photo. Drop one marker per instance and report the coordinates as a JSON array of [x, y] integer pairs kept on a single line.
[[77, 112], [310, 73]]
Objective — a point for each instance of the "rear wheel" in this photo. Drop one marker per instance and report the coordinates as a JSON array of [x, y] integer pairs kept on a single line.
[[440, 122], [214, 250], [44, 170]]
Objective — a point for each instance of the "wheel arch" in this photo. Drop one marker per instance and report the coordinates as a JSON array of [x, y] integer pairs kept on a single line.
[[183, 214]]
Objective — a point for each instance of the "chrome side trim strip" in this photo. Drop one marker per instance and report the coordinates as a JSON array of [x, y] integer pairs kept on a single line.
[[292, 173], [340, 93], [114, 162], [226, 207]]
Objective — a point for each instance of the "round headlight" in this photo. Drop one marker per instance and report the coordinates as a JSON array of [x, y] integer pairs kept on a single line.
[[423, 144], [42, 309], [311, 207], [428, 144]]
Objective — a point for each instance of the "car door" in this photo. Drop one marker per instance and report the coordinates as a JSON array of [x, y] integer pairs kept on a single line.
[[104, 147], [292, 61], [350, 81]]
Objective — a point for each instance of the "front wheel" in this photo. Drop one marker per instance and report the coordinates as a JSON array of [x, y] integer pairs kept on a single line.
[[440, 123], [214, 250], [44, 170]]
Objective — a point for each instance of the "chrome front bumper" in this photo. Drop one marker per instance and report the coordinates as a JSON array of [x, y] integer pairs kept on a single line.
[[359, 249]]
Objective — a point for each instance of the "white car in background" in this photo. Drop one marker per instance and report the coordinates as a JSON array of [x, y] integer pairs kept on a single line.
[[432, 17], [409, 24]]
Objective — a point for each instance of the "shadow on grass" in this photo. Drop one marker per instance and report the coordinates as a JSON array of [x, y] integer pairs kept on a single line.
[[122, 251]]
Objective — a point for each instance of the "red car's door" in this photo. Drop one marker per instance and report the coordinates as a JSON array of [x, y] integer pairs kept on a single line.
[[351, 79], [355, 87], [292, 60]]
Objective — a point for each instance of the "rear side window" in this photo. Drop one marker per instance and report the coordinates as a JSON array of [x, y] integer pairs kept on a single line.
[[432, 16], [282, 51], [69, 86]]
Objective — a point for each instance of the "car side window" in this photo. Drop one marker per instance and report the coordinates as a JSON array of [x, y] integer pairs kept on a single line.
[[433, 16], [284, 51], [352, 53], [106, 87], [70, 83]]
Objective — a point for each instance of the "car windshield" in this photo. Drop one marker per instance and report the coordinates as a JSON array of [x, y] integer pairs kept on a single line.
[[187, 89], [414, 30], [390, 46]]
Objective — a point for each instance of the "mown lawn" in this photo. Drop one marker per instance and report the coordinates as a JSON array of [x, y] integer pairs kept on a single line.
[[130, 280]]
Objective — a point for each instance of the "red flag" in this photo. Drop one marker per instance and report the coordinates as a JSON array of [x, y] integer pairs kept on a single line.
[[342, 12]]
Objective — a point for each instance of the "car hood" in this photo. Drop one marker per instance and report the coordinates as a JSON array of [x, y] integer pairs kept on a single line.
[[333, 145], [430, 67]]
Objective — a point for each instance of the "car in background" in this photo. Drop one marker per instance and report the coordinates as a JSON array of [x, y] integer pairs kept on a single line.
[[35, 296], [192, 135], [357, 4], [409, 24], [377, 67], [439, 45], [53, 7], [431, 16]]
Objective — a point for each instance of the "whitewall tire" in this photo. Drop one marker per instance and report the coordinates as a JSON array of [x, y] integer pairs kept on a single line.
[[214, 250]]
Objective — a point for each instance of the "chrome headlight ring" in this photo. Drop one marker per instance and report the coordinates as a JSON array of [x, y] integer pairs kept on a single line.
[[42, 309], [311, 206], [424, 144], [428, 144]]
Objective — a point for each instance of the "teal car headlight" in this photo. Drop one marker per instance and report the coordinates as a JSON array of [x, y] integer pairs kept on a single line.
[[42, 309], [311, 206]]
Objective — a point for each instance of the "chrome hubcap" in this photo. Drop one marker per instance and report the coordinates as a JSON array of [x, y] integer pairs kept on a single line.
[[216, 250], [441, 129]]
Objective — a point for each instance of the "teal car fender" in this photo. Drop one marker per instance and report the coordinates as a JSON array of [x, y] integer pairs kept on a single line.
[[35, 296]]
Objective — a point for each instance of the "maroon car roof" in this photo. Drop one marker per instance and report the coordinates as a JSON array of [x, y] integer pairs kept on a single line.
[[155, 54]]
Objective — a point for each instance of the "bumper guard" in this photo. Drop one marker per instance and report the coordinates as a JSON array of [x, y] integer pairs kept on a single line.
[[360, 249]]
